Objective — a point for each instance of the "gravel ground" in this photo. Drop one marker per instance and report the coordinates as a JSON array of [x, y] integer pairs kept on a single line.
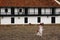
[[13, 32]]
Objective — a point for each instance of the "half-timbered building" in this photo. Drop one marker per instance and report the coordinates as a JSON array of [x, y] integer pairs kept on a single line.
[[29, 11]]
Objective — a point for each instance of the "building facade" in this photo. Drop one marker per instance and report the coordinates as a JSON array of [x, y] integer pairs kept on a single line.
[[34, 13]]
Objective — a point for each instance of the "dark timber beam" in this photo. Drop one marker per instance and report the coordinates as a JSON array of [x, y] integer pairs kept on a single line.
[[53, 11], [12, 11], [39, 11], [26, 11]]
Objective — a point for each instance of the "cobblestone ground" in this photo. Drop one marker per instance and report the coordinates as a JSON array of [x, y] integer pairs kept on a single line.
[[28, 33]]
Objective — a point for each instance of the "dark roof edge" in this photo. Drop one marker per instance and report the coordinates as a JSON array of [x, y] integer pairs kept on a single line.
[[27, 7]]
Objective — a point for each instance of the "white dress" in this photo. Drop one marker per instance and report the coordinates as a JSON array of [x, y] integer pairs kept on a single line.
[[40, 30]]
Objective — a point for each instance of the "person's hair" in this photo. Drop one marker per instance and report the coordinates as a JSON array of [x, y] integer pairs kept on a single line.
[[42, 24]]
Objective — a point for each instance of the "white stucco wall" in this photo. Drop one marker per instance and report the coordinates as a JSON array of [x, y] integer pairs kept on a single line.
[[19, 20], [46, 20], [32, 20], [6, 20], [58, 19]]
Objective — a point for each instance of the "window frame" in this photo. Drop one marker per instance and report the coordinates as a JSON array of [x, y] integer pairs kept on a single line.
[[56, 11], [32, 11], [5, 11], [44, 11], [17, 11]]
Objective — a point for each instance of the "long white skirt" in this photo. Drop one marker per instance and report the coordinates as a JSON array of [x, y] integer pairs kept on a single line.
[[39, 34]]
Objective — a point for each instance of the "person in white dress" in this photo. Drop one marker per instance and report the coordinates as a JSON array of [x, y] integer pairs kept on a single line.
[[40, 29]]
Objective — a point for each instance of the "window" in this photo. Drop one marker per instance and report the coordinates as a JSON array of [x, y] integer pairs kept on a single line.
[[46, 11], [32, 11], [53, 19], [5, 11], [57, 11], [38, 20], [12, 20], [26, 20], [19, 11]]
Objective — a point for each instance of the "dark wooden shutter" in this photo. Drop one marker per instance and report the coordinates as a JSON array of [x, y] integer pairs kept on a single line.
[[38, 19], [12, 20], [53, 19], [26, 20]]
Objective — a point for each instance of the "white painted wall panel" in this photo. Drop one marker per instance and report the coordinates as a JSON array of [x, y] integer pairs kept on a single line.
[[6, 20], [19, 20], [32, 20], [57, 19], [46, 20]]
